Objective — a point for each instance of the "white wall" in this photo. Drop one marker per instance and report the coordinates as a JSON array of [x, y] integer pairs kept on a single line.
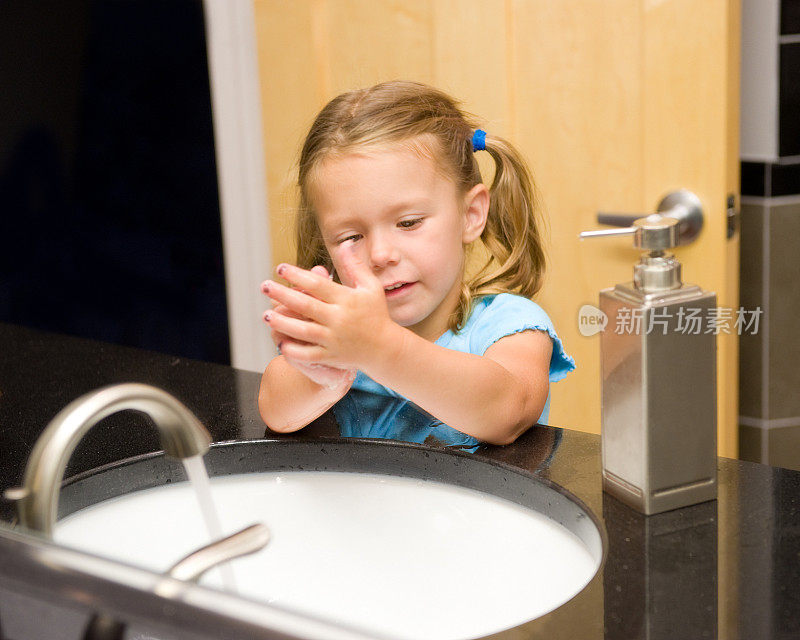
[[236, 104]]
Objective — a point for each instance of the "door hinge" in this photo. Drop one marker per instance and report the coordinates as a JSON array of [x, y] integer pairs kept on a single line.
[[732, 215]]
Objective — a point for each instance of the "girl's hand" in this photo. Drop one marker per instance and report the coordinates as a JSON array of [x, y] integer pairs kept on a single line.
[[328, 377], [277, 336], [341, 326]]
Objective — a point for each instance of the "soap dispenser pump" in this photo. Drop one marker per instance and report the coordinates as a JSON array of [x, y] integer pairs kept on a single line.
[[658, 361]]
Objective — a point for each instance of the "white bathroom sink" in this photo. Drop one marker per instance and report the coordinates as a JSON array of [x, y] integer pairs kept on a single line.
[[409, 557]]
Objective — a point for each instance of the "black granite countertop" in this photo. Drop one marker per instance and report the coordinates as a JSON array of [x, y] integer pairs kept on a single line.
[[723, 569]]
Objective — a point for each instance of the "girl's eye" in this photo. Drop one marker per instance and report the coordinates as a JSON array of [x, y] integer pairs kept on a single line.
[[409, 224], [353, 237]]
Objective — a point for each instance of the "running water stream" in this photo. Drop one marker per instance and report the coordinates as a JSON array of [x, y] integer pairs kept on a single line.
[[198, 478]]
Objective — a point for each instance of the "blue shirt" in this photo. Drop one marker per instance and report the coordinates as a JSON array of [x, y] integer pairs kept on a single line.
[[370, 410]]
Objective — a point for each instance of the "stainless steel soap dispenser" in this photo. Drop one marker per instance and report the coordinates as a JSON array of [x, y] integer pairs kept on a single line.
[[658, 361]]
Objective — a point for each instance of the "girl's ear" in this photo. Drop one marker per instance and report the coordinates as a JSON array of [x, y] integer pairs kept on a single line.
[[476, 209]]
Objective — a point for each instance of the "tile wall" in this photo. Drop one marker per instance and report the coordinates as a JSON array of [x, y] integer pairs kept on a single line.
[[769, 382]]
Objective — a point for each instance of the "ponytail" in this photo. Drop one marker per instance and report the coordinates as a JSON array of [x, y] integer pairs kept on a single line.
[[512, 236]]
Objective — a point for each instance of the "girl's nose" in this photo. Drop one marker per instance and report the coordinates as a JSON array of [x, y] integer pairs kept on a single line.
[[382, 252]]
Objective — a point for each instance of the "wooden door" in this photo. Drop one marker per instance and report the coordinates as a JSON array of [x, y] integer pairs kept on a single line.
[[614, 102]]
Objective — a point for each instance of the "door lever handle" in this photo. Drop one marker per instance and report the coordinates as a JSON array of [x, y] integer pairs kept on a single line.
[[682, 205]]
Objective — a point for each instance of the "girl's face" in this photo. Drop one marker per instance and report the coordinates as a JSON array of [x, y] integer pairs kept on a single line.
[[408, 223]]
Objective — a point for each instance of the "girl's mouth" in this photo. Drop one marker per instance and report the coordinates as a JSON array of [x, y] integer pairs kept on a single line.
[[397, 289]]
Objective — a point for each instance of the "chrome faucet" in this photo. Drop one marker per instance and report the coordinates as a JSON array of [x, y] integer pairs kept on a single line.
[[182, 436]]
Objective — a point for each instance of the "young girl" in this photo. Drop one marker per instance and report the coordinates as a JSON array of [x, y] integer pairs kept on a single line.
[[379, 321]]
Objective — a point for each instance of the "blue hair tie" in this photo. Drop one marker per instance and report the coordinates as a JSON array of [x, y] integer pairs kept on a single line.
[[478, 140]]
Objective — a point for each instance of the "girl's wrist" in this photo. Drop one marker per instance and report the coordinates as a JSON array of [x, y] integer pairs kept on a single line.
[[339, 389], [394, 346], [329, 383], [330, 395]]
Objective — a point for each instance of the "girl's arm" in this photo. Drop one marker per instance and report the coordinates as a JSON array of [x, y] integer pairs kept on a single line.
[[292, 393], [494, 397], [288, 400]]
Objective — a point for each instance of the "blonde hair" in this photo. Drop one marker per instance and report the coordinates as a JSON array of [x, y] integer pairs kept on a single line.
[[428, 121]]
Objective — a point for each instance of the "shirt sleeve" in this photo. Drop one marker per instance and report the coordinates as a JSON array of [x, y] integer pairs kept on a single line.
[[508, 314]]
